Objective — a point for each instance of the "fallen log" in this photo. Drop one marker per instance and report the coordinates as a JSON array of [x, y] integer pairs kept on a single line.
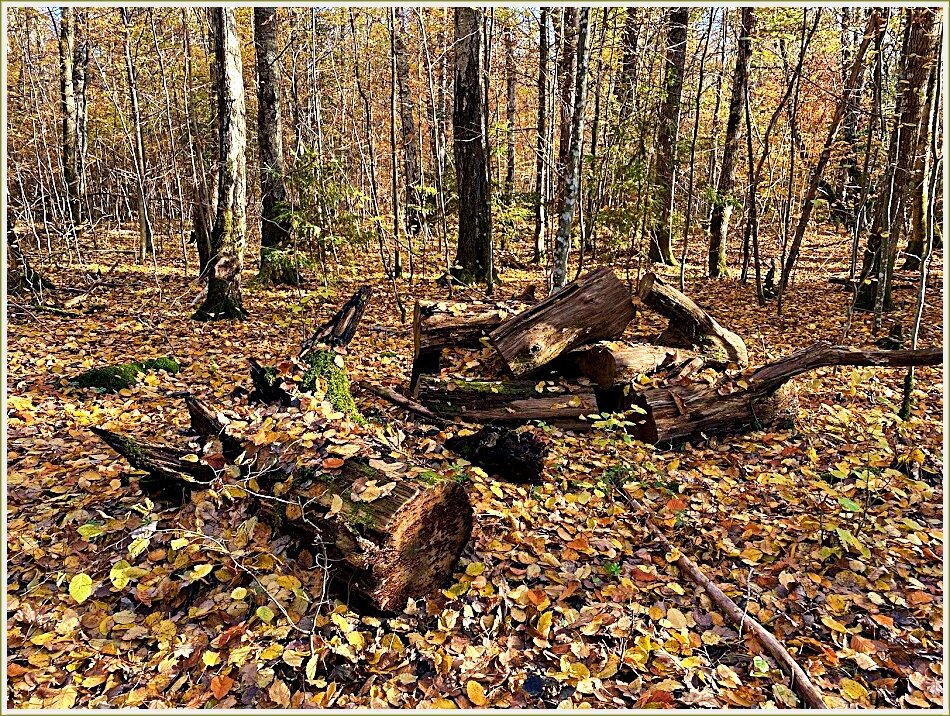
[[340, 329], [609, 363], [680, 412], [267, 387], [502, 452], [596, 306], [437, 325], [400, 545], [690, 325], [508, 402]]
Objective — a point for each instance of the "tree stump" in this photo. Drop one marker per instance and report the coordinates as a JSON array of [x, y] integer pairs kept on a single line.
[[596, 306]]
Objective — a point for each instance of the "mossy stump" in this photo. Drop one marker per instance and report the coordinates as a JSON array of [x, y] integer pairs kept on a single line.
[[118, 377], [327, 373], [281, 267]]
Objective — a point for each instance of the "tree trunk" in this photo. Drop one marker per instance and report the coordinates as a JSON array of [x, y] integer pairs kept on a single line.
[[229, 235], [146, 245], [661, 233], [410, 159], [510, 110], [541, 173], [67, 48], [508, 402], [566, 86], [473, 258], [691, 326], [722, 204], [562, 242], [611, 364], [808, 201], [275, 230], [399, 546], [595, 306]]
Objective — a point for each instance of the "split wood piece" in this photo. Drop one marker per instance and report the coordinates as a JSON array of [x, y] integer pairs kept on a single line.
[[401, 545], [596, 306], [609, 363], [690, 325], [402, 401], [267, 387], [502, 452], [679, 412], [800, 682], [339, 330], [508, 402], [207, 422], [437, 325]]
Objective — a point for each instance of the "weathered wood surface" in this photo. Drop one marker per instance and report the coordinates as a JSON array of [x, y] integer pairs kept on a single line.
[[402, 544], [690, 325], [608, 363], [508, 402], [596, 306], [340, 329]]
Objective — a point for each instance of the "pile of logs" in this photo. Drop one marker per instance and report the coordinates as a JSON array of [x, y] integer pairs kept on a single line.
[[564, 363]]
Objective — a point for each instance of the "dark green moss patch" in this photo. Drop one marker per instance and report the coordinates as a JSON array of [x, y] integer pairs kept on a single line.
[[281, 267], [116, 377]]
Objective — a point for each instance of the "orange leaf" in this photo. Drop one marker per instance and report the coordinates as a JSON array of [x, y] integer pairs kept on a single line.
[[221, 685], [332, 463]]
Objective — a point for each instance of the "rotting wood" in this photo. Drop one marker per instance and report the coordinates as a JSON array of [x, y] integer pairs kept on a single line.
[[596, 306], [609, 363]]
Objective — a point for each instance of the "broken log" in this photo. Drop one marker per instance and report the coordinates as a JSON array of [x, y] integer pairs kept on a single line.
[[402, 544], [681, 412], [267, 387], [596, 306], [339, 330], [608, 363], [437, 325], [508, 402], [690, 325], [502, 452]]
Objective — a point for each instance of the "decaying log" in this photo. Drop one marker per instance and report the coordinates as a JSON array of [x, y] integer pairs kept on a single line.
[[267, 387], [690, 325], [596, 306], [502, 452], [402, 401], [402, 544], [207, 422], [608, 363], [437, 325], [339, 330], [799, 680], [679, 412], [508, 402]]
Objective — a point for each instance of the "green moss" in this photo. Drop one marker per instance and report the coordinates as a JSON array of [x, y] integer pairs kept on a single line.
[[323, 367], [429, 477], [360, 514], [117, 377]]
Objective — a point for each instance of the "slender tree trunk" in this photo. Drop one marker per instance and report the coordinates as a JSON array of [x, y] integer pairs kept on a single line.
[[229, 235], [510, 110], [473, 256], [661, 233], [722, 206], [146, 245], [920, 198], [410, 159], [67, 49], [808, 202], [80, 78], [394, 173], [275, 231], [566, 86], [541, 173], [562, 244]]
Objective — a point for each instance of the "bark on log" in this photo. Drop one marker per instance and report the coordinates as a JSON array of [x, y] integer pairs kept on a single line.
[[680, 412], [508, 402], [502, 452], [339, 330], [609, 363], [595, 306], [401, 545], [437, 325], [690, 325]]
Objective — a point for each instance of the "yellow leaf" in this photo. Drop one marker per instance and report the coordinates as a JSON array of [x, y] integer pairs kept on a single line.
[[80, 587], [441, 703], [179, 543], [544, 623], [189, 458], [852, 690], [138, 546], [677, 618], [265, 614], [239, 593], [118, 574], [476, 693], [336, 504], [211, 658], [202, 570], [834, 624], [474, 569]]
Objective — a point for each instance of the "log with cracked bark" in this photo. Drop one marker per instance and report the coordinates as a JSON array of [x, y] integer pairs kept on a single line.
[[596, 306], [384, 551], [609, 363]]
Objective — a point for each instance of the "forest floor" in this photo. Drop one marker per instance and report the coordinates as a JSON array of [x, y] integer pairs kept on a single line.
[[563, 597]]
